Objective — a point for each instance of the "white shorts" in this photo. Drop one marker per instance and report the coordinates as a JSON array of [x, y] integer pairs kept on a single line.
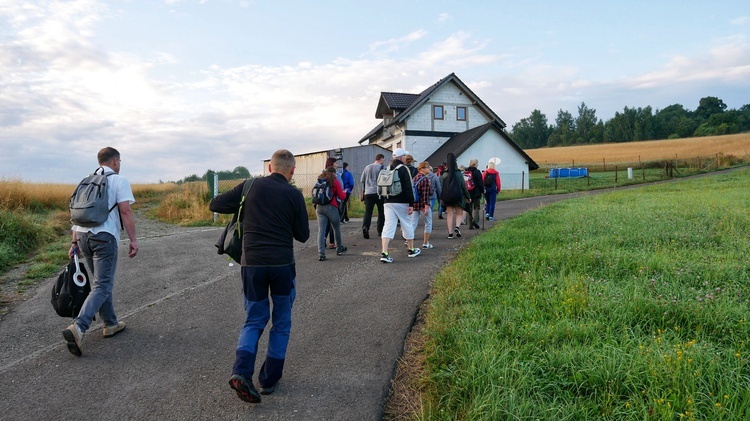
[[398, 212]]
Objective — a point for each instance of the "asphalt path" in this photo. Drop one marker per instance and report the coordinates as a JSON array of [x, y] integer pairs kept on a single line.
[[183, 308]]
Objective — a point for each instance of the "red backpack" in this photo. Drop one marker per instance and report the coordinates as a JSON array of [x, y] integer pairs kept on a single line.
[[469, 179]]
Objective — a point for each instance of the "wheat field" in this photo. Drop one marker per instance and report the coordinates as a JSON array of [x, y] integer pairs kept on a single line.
[[737, 145]]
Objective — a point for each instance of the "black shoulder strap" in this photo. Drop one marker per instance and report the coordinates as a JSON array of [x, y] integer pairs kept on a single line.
[[245, 189]]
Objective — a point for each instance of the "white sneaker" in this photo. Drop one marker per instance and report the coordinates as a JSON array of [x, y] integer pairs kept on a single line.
[[414, 252], [74, 338], [427, 246]]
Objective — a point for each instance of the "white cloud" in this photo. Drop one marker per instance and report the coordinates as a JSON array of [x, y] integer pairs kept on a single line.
[[396, 44], [444, 17]]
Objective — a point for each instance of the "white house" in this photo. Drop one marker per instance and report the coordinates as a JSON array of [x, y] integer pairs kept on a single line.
[[449, 117]]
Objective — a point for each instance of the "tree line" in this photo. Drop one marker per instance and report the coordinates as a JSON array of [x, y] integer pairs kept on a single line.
[[235, 174], [711, 118]]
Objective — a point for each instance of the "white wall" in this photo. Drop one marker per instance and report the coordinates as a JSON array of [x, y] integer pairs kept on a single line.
[[513, 169]]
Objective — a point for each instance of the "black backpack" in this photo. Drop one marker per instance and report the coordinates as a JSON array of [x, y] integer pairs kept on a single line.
[[67, 297], [452, 191], [321, 192], [489, 180]]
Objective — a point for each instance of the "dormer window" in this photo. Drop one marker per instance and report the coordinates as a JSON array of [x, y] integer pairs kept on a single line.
[[438, 112], [461, 113]]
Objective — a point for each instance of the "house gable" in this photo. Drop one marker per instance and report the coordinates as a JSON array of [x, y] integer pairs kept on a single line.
[[447, 117]]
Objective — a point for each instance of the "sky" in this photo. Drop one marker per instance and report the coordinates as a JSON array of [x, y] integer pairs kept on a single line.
[[183, 86]]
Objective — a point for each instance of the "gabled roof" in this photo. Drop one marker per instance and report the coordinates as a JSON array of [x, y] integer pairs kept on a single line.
[[406, 104], [460, 142], [425, 95], [394, 101]]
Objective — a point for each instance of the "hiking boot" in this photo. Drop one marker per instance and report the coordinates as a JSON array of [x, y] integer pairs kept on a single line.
[[74, 337], [110, 331], [244, 388], [341, 251], [414, 252], [386, 258], [457, 231], [322, 257], [365, 233], [426, 246], [268, 390]]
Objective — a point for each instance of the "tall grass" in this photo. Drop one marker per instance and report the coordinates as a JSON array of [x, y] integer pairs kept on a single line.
[[34, 221], [630, 305]]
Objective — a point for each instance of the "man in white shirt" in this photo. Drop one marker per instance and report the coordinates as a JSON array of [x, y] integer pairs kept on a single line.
[[98, 245]]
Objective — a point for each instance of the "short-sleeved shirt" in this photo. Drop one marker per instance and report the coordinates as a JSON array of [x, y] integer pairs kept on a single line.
[[119, 191]]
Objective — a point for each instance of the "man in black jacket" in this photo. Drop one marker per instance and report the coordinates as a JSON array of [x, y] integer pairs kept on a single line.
[[274, 215], [398, 208]]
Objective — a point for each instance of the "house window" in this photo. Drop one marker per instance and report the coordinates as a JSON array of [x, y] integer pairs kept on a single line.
[[461, 113], [437, 112]]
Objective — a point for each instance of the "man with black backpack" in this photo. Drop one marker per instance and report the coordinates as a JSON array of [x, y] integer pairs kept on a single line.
[[98, 245]]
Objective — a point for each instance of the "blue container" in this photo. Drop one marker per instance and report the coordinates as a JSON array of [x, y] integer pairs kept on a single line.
[[568, 172]]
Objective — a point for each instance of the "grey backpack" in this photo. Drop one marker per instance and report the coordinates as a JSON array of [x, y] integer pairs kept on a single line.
[[389, 182], [89, 204]]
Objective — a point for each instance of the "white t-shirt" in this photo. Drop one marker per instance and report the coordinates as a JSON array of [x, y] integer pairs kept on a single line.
[[119, 191]]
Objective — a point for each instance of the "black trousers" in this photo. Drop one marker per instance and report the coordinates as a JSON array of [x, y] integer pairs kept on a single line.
[[372, 200]]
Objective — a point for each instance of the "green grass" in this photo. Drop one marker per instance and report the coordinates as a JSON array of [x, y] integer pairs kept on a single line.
[[628, 305], [540, 185]]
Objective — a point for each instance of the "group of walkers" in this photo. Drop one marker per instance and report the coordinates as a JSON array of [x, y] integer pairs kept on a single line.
[[274, 216], [421, 189]]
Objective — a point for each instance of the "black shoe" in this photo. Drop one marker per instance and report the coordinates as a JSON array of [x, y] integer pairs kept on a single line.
[[244, 388], [322, 257], [268, 390], [365, 233], [440, 216], [341, 251], [476, 226]]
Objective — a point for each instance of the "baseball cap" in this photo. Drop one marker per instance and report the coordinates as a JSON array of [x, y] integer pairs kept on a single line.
[[399, 152]]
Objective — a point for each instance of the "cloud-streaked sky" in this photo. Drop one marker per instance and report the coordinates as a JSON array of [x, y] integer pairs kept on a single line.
[[182, 86]]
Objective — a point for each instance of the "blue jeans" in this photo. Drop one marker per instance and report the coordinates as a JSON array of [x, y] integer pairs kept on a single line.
[[490, 198], [99, 251], [256, 283], [328, 214]]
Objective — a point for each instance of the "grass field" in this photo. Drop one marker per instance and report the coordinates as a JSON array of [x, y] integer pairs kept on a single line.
[[737, 145], [627, 305]]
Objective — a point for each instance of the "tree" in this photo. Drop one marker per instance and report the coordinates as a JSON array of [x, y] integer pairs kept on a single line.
[[671, 121], [532, 132], [564, 131], [709, 106], [585, 123], [632, 124]]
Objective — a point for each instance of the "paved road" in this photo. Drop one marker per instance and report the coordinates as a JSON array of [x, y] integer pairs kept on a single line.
[[183, 308]]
